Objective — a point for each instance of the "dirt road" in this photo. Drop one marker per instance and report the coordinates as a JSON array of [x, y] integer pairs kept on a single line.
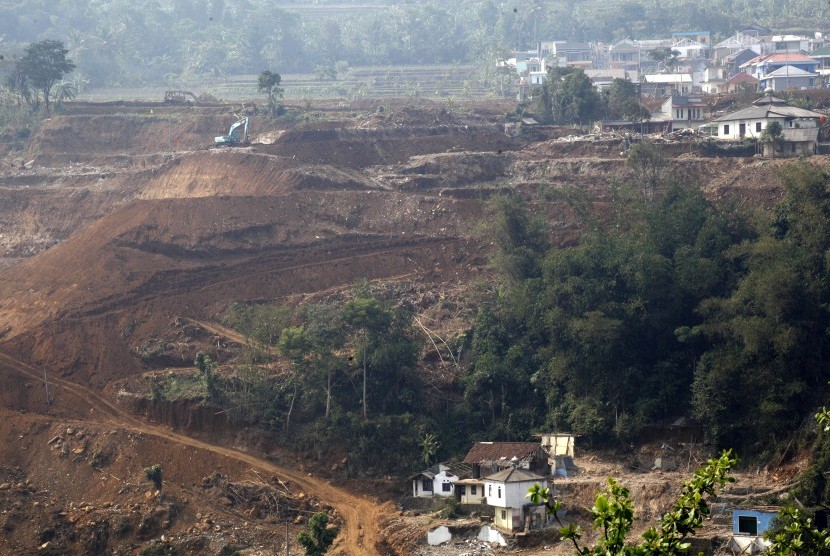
[[355, 538]]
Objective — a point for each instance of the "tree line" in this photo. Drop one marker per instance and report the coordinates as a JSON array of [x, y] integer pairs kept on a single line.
[[128, 43], [669, 305]]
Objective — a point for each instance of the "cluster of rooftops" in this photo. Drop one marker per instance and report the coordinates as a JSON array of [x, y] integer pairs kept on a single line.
[[753, 59], [498, 475]]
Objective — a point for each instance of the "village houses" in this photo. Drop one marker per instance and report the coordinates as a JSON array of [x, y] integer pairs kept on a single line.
[[689, 68], [498, 475]]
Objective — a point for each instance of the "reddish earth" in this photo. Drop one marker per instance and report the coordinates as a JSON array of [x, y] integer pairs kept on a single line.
[[129, 229]]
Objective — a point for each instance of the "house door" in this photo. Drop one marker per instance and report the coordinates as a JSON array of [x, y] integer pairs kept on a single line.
[[741, 129]]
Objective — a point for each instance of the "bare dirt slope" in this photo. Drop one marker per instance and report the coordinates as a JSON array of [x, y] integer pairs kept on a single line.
[[353, 509]]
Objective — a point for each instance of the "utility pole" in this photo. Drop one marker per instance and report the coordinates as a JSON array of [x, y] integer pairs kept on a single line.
[[46, 383]]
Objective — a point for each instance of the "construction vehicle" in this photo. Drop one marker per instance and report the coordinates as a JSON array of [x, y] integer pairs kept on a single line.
[[237, 135], [179, 97]]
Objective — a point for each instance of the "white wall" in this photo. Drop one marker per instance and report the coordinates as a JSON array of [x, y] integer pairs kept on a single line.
[[752, 126], [441, 479], [513, 495]]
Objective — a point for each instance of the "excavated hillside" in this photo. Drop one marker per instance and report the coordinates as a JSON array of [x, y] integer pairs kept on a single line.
[[122, 227]]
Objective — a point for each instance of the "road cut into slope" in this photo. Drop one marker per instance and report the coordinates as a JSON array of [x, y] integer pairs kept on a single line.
[[361, 516]]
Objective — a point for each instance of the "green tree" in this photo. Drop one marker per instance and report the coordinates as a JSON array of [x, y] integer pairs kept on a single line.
[[772, 328], [613, 515], [617, 95], [649, 165], [369, 318], [44, 64], [268, 83], [635, 112], [295, 345], [572, 96], [772, 136], [666, 56], [325, 329], [207, 373], [318, 537], [519, 239], [154, 475], [429, 447], [794, 534]]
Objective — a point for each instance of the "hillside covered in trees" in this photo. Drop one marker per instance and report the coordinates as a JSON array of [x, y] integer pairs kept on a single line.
[[119, 43]]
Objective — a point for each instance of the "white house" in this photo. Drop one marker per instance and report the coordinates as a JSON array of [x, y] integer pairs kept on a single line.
[[506, 491], [800, 126], [790, 43], [664, 84], [438, 480], [470, 491], [689, 48], [685, 111]]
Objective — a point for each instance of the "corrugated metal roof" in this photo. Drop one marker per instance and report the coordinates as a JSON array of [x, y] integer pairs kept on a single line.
[[820, 53], [789, 71]]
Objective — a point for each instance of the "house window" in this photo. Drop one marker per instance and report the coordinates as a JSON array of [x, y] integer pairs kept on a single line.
[[726, 129], [473, 490], [489, 490], [462, 490], [446, 487], [499, 492], [748, 525], [426, 485], [758, 127], [504, 514]]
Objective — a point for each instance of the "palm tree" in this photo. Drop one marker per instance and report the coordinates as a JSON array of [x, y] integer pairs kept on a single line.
[[430, 446]]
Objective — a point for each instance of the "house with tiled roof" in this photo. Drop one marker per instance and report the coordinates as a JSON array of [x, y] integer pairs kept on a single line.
[[487, 458], [760, 66], [438, 480], [740, 82]]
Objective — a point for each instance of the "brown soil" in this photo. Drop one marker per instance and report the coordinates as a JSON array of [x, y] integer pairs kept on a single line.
[[129, 229]]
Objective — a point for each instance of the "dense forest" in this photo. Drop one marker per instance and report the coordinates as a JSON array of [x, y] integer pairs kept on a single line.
[[119, 42]]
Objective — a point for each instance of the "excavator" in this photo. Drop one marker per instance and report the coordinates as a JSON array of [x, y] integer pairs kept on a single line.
[[237, 135]]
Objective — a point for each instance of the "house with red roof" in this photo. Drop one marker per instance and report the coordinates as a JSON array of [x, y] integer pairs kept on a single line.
[[760, 66], [487, 458], [739, 83]]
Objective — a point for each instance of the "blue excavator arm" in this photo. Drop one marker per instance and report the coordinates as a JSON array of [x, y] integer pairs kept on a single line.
[[237, 135]]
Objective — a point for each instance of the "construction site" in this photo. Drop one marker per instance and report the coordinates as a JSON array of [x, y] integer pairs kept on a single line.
[[130, 227]]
